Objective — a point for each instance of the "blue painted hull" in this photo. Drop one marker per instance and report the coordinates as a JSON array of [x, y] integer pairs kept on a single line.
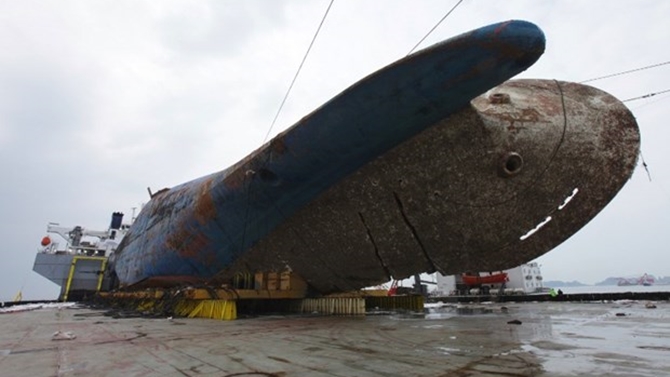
[[205, 226]]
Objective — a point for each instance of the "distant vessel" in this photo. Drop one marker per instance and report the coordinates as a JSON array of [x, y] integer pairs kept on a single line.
[[78, 265], [645, 280], [523, 279]]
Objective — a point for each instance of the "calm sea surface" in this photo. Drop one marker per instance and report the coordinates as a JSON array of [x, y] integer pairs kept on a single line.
[[615, 288]]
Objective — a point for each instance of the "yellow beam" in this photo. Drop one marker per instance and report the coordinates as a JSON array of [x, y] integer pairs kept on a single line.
[[73, 265], [69, 279], [101, 276]]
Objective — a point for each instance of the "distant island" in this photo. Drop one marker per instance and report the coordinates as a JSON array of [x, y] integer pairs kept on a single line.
[[613, 280], [661, 280], [610, 281], [559, 283], [647, 278]]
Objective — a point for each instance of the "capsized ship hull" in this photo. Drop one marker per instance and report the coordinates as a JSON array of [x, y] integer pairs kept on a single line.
[[399, 175]]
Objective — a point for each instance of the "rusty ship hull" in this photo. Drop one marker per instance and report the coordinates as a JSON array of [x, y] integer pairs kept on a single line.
[[401, 173]]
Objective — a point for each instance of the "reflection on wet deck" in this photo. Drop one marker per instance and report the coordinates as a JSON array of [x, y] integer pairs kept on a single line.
[[552, 339]]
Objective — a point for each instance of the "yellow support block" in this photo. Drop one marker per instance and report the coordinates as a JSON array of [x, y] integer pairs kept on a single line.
[[146, 305], [214, 309], [333, 306]]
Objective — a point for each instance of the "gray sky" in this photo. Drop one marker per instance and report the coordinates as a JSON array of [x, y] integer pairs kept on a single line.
[[100, 99]]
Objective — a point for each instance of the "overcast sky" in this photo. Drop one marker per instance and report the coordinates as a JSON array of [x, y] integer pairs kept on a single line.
[[101, 99]]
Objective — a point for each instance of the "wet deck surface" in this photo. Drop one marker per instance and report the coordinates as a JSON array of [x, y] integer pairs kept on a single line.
[[554, 339]]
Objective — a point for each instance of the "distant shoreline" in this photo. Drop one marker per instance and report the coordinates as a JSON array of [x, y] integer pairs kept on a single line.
[[613, 288], [567, 297]]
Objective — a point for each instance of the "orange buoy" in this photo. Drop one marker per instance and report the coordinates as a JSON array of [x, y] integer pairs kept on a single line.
[[46, 241]]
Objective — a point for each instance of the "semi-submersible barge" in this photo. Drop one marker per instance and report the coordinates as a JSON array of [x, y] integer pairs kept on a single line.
[[434, 163]]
